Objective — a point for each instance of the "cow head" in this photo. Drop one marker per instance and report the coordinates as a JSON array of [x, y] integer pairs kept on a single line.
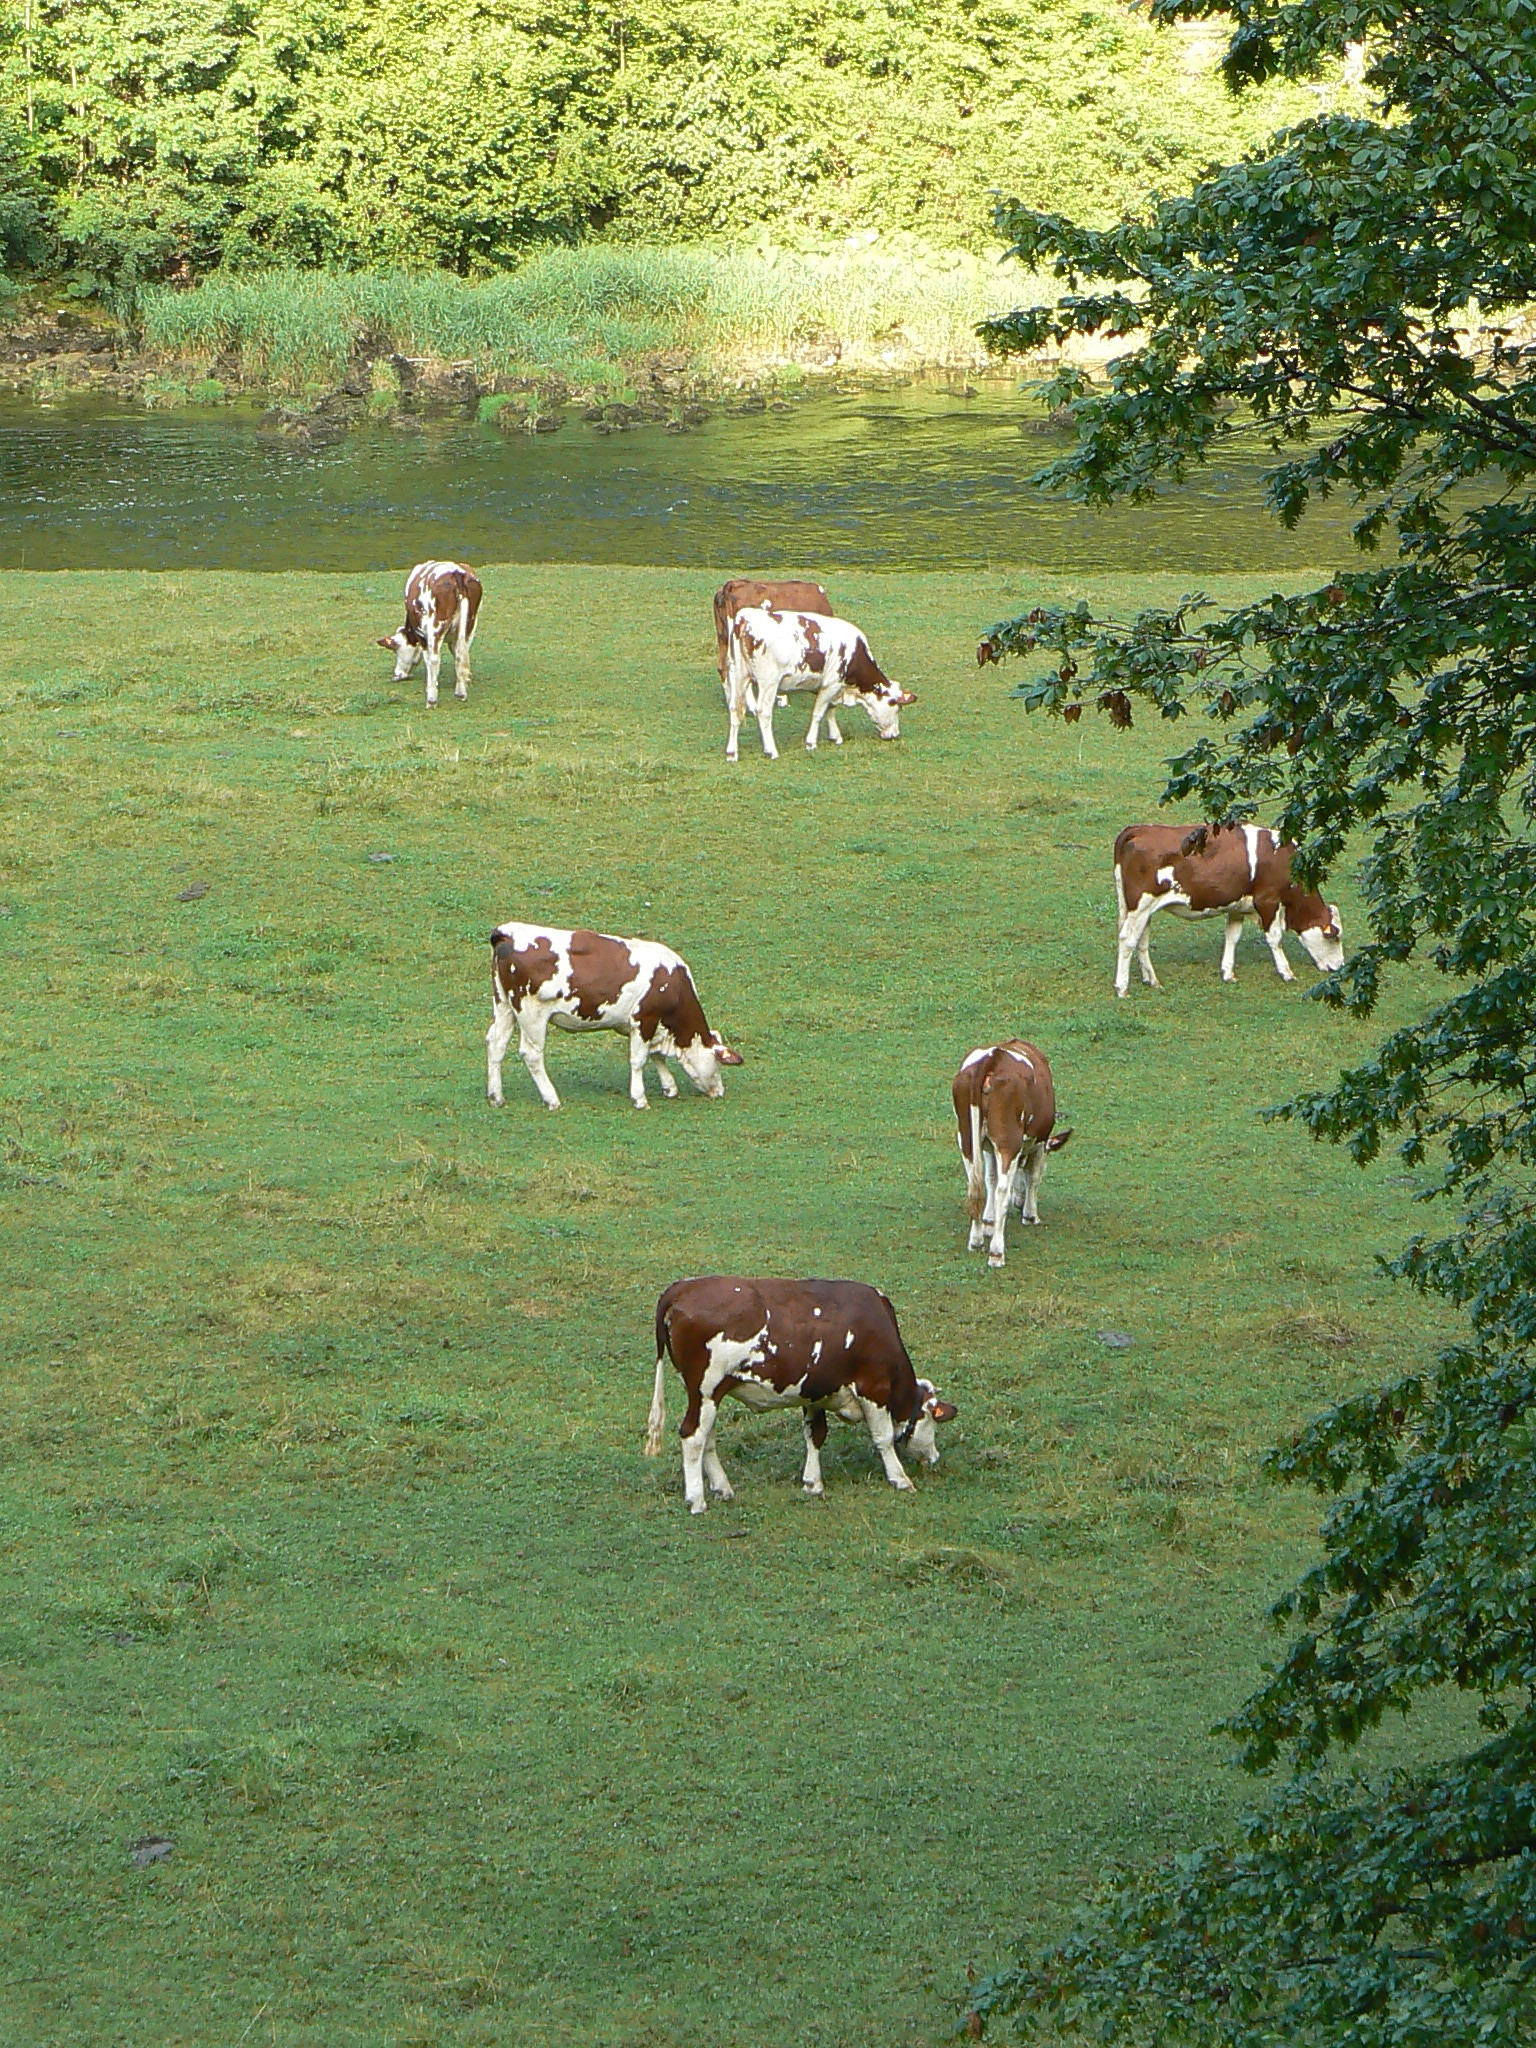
[[702, 1060], [1321, 931], [867, 684], [933, 1411], [405, 651]]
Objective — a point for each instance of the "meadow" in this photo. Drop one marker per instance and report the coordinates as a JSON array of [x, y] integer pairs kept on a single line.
[[330, 1554]]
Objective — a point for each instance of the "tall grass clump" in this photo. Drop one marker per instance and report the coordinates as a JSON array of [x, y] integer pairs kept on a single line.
[[585, 314]]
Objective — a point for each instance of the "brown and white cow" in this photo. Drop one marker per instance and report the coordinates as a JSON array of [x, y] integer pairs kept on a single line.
[[814, 1345], [1005, 1107], [740, 591], [442, 599], [585, 981], [1230, 871], [771, 651]]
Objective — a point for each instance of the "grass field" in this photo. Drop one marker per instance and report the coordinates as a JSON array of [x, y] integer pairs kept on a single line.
[[329, 1550]]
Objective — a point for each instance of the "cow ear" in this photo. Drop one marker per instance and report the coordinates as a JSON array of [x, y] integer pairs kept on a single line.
[[385, 640], [1057, 1139], [942, 1411]]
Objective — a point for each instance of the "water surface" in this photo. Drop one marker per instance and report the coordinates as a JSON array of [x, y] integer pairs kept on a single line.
[[914, 478]]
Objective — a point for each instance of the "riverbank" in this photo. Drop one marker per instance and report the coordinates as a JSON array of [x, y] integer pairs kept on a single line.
[[637, 332]]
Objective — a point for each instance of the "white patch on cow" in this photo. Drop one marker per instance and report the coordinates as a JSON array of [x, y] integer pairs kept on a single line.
[[1253, 834], [816, 1352], [848, 1341], [815, 1311], [728, 1354], [1165, 876], [1023, 1058], [982, 1052], [761, 1395]]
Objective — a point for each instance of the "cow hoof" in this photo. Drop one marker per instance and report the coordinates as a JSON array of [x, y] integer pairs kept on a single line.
[[903, 1484], [995, 1259], [462, 695], [813, 1492], [696, 1507], [495, 1101]]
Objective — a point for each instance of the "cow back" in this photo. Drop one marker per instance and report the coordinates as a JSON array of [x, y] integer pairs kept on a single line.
[[739, 592]]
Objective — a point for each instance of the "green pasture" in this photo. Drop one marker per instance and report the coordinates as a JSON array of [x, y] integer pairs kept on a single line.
[[330, 1554]]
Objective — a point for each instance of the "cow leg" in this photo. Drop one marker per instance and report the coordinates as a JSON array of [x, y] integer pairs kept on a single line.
[[1002, 1201], [694, 1442], [820, 709], [639, 1053], [714, 1471], [434, 657], [989, 1192], [533, 1028], [664, 1076], [1034, 1173], [1275, 934], [461, 652], [883, 1435], [497, 1039], [814, 1423], [1133, 939], [1234, 932], [766, 705], [975, 1186], [1144, 958], [834, 733]]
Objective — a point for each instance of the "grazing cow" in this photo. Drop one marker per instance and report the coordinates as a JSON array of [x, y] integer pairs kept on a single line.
[[1005, 1106], [741, 591], [442, 599], [1230, 871], [811, 1344], [773, 651], [583, 981]]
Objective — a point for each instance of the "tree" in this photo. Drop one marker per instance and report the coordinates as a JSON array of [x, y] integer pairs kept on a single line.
[[1357, 288]]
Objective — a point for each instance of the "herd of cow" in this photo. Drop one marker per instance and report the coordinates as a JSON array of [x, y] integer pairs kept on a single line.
[[827, 1345]]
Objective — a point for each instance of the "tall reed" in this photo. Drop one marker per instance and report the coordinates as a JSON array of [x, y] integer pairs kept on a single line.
[[586, 314]]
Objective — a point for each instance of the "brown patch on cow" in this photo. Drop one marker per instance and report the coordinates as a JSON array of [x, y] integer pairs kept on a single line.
[[815, 653], [600, 968], [517, 973], [672, 1003], [864, 676]]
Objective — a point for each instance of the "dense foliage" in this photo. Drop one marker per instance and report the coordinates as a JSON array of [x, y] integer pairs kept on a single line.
[[1356, 288], [152, 138]]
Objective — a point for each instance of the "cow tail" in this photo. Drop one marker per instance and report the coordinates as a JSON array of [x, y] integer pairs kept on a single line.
[[1119, 892], [657, 1420], [463, 624], [975, 1173]]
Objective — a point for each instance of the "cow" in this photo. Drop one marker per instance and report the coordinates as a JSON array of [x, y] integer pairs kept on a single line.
[[586, 981], [812, 1344], [442, 600], [1230, 871], [740, 591], [1005, 1108], [772, 651]]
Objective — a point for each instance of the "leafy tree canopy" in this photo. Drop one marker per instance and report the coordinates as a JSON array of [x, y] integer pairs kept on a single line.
[[153, 138], [1355, 289]]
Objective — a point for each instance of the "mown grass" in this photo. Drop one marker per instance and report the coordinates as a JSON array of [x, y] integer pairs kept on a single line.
[[330, 1552], [589, 314]]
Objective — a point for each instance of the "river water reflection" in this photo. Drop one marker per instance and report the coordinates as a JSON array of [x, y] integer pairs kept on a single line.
[[915, 478]]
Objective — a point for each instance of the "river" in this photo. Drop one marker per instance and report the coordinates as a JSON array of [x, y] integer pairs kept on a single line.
[[922, 477]]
